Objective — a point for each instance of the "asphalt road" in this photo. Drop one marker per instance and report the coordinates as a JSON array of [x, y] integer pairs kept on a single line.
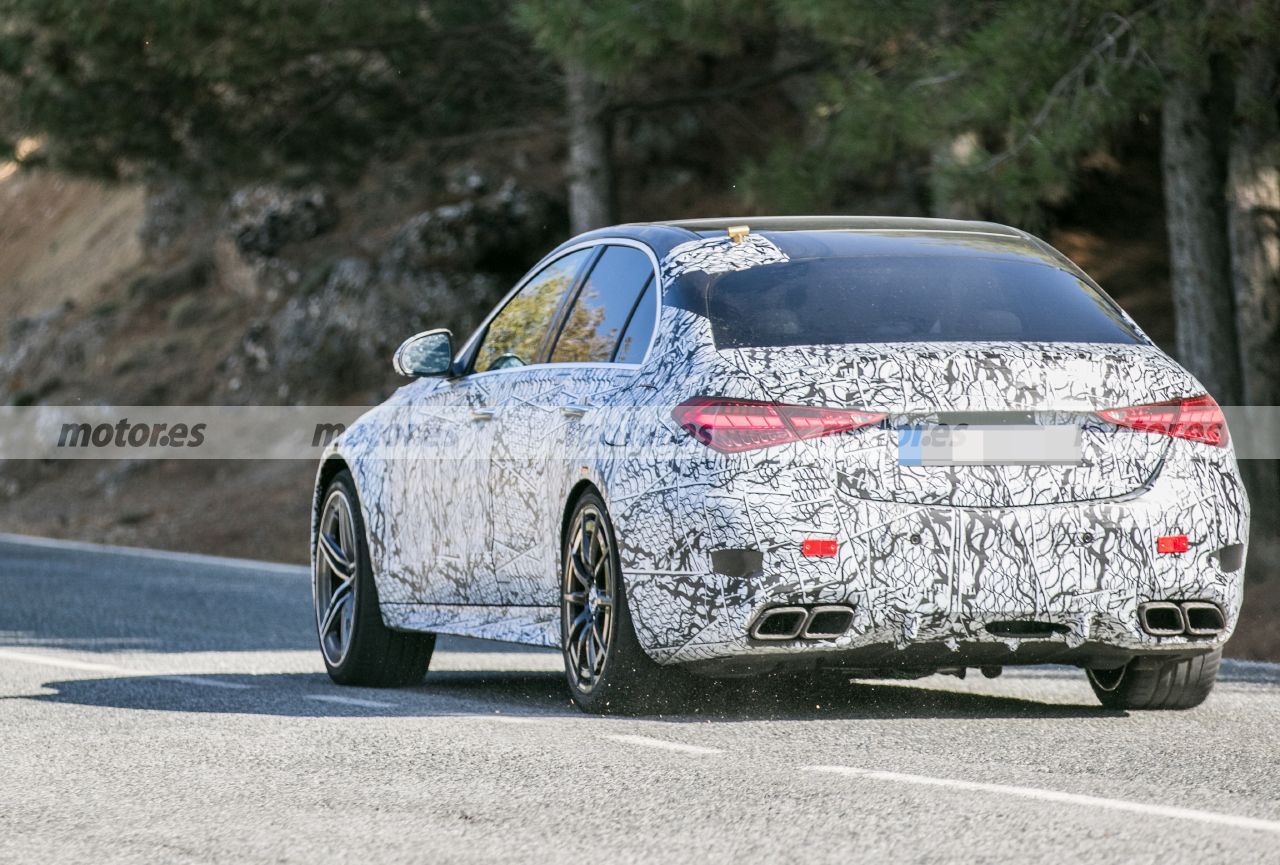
[[168, 708]]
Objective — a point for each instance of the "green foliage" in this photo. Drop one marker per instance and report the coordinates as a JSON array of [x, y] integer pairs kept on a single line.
[[616, 38], [987, 106], [224, 90], [995, 103]]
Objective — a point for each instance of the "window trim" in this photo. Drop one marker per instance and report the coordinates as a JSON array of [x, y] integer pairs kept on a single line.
[[466, 356]]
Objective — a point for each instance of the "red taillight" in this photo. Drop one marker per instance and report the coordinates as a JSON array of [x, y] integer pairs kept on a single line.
[[1197, 418], [1172, 544], [736, 425]]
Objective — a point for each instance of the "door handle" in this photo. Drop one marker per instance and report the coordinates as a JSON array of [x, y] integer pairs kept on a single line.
[[573, 410], [483, 413]]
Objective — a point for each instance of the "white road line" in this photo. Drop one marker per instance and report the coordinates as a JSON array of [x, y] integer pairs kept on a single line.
[[646, 742], [64, 663], [508, 719], [91, 667], [163, 555], [349, 701], [1169, 811]]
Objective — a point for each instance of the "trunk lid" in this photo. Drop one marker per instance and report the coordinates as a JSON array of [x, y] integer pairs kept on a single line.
[[977, 424]]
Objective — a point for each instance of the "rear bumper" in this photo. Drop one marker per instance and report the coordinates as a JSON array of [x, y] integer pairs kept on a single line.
[[925, 582], [887, 660], [946, 641]]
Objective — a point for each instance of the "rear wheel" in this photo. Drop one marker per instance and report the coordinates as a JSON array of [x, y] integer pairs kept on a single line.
[[607, 670], [358, 648], [1157, 683]]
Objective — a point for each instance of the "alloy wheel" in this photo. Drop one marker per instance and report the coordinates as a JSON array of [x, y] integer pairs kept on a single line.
[[587, 624], [334, 580]]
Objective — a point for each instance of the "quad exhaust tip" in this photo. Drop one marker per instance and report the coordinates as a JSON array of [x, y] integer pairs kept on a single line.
[[780, 623], [1162, 619], [1176, 618], [1203, 619], [824, 622], [828, 622]]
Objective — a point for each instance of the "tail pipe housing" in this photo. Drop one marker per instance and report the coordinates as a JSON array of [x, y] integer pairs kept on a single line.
[[822, 622], [1181, 618]]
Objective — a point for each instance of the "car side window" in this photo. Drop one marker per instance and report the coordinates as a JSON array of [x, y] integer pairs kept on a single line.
[[639, 330], [604, 304], [515, 335]]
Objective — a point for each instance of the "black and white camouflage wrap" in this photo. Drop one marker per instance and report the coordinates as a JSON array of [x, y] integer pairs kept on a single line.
[[464, 519]]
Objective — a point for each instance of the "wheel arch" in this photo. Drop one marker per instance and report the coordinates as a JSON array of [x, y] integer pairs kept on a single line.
[[571, 502], [330, 467]]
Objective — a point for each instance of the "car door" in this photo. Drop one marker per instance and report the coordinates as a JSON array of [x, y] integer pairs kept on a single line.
[[507, 349], [419, 531], [546, 417]]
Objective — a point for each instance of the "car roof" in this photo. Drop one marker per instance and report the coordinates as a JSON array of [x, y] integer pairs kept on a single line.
[[836, 235], [715, 225]]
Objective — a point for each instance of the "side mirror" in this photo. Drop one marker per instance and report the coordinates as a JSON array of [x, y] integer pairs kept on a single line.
[[425, 354]]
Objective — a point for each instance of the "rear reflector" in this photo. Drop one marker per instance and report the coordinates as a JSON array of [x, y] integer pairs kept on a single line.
[[819, 547], [735, 425], [1172, 544], [1197, 418]]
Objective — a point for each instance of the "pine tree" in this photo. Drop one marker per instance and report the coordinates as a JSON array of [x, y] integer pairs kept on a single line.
[[222, 91]]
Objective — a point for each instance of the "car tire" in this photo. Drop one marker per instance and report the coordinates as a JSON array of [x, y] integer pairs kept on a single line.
[[1157, 683], [621, 679], [358, 649]]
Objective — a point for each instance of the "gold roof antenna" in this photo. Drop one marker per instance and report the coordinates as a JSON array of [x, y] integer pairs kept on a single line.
[[738, 233]]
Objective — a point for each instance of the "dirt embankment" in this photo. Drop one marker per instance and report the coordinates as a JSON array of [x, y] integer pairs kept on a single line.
[[79, 324], [62, 240], [122, 296]]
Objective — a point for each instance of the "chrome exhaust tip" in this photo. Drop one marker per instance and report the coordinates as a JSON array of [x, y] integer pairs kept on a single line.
[[779, 623], [1162, 619], [1203, 618], [829, 622]]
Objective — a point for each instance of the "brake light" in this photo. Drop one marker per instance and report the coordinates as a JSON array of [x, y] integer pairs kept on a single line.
[[1197, 418], [1172, 544], [736, 425]]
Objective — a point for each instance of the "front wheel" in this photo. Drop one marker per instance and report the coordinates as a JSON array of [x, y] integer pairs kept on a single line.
[[607, 669], [1157, 683], [358, 648]]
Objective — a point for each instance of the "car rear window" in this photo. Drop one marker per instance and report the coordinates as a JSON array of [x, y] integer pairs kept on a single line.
[[824, 301]]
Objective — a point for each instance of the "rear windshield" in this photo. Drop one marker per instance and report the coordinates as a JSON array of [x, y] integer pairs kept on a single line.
[[825, 301]]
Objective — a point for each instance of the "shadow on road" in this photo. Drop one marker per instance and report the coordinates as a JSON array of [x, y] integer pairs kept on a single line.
[[539, 694]]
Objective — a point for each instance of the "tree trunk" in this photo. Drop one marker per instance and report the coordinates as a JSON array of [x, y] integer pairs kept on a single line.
[[1253, 197], [1199, 260], [590, 166]]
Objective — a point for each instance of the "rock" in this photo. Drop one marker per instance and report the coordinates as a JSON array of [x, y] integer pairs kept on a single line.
[[458, 258], [262, 219]]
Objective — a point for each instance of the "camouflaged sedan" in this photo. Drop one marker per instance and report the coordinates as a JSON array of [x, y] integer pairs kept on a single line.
[[886, 447]]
